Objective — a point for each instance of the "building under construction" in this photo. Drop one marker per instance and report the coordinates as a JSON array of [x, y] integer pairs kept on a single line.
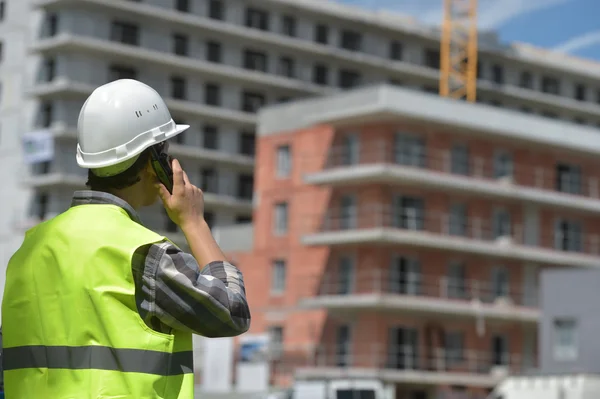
[[397, 236]]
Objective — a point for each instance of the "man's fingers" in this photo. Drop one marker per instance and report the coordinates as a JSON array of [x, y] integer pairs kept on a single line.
[[178, 181], [163, 193], [186, 179]]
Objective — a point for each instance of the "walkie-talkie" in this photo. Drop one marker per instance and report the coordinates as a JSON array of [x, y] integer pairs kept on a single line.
[[161, 163]]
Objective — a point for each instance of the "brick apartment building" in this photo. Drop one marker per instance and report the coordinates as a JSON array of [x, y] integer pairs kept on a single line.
[[398, 237]]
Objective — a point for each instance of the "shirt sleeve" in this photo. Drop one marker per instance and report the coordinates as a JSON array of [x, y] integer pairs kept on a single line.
[[210, 302]]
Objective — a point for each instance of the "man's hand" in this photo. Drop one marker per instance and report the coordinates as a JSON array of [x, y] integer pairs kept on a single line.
[[186, 205]]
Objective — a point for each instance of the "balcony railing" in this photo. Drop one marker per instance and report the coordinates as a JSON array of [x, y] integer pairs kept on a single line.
[[382, 216], [381, 152], [402, 358], [388, 282]]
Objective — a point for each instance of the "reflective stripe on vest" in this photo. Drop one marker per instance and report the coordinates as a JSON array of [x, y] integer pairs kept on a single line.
[[99, 358]]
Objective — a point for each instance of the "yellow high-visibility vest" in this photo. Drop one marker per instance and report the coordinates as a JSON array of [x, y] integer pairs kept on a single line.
[[71, 328]]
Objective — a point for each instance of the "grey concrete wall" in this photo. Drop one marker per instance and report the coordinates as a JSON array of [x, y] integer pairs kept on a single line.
[[573, 294]]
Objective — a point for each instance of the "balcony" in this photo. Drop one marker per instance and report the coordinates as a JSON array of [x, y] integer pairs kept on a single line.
[[66, 88], [58, 180], [217, 157], [139, 56], [380, 163], [402, 364], [397, 69], [423, 295], [384, 224]]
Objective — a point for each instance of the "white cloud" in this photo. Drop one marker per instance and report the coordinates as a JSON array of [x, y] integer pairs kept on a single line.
[[579, 42], [492, 14]]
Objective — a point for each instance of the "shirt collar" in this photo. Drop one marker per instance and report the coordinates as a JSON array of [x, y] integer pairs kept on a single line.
[[87, 197]]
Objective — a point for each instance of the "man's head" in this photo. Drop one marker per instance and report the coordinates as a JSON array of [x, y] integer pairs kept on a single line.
[[117, 125]]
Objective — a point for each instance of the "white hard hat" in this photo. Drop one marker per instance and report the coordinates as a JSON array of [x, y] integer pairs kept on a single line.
[[118, 121]]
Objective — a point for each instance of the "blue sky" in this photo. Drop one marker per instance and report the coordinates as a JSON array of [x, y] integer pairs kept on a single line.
[[570, 26]]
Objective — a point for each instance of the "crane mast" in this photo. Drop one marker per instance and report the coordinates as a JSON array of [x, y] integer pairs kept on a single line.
[[458, 53]]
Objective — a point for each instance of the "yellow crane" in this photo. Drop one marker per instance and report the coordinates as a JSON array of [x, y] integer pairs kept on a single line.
[[458, 53]]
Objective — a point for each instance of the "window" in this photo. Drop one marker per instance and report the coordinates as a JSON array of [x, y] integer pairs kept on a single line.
[[345, 277], [409, 150], [408, 213], [243, 219], [579, 121], [348, 79], [526, 110], [580, 92], [459, 160], [125, 33], [209, 183], [288, 25], [457, 284], [567, 236], [284, 162], [257, 19], [498, 74], [178, 88], [47, 115], [52, 24], [500, 283], [405, 276], [41, 202], [276, 338], [348, 212], [322, 34], [396, 50], [252, 102], [182, 5], [49, 70], [458, 220], [501, 224], [247, 143], [404, 348], [568, 178], [286, 67], [180, 138], [255, 61], [549, 114], [526, 80], [41, 168], [2, 10], [213, 51], [180, 44], [209, 218], [550, 85], [479, 70], [281, 218], [432, 58], [350, 150], [212, 94], [117, 72], [503, 164], [565, 339], [500, 356], [343, 346], [245, 187], [320, 74], [350, 40], [210, 137], [454, 347], [215, 9]]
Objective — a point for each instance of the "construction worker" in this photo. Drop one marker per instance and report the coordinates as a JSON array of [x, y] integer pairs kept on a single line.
[[95, 304]]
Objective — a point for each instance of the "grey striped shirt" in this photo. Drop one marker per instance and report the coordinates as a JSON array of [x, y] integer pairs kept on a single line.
[[172, 293]]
